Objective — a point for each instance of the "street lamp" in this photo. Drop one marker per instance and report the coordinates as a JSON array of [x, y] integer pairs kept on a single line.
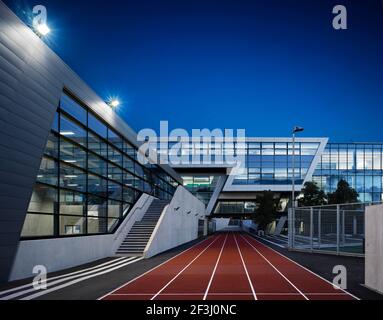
[[295, 131]]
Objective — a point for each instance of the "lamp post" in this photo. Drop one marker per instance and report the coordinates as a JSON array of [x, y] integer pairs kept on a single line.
[[295, 131]]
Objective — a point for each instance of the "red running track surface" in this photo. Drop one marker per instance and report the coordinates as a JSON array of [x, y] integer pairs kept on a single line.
[[229, 266]]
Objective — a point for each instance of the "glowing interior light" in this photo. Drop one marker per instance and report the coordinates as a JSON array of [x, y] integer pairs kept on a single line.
[[67, 133]]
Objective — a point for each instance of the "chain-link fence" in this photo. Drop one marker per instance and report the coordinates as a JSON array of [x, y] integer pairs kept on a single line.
[[332, 229]]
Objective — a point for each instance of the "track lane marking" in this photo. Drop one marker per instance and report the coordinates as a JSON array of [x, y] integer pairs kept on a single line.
[[215, 269], [244, 266], [313, 273], [275, 268], [231, 294], [28, 285], [34, 296], [111, 293], [63, 278], [185, 268]]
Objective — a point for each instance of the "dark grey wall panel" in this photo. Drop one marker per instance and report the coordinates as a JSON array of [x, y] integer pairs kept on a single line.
[[32, 78]]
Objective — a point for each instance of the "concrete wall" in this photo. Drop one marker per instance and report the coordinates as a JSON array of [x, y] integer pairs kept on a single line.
[[221, 224], [59, 254], [178, 224], [374, 248]]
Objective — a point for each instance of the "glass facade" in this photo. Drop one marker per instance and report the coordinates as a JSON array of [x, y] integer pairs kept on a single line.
[[202, 186], [266, 163], [361, 165], [272, 163], [235, 208], [89, 177]]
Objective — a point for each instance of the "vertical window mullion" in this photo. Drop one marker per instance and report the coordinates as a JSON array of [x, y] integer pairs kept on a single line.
[[85, 213], [56, 218]]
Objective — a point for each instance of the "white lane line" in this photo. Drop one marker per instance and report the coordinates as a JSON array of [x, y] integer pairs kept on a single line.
[[62, 276], [229, 294], [284, 277], [174, 278], [308, 270], [52, 283], [274, 243], [244, 265], [147, 272], [39, 294], [215, 269]]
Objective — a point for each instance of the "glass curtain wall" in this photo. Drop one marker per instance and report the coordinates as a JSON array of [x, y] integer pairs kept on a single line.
[[202, 186], [361, 165], [89, 178], [272, 163]]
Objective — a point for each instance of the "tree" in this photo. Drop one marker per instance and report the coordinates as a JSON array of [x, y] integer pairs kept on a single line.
[[267, 210], [312, 195], [343, 194]]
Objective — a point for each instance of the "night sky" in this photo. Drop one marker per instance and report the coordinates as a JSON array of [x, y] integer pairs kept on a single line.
[[263, 66]]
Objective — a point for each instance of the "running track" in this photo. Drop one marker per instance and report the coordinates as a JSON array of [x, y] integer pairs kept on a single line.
[[230, 266]]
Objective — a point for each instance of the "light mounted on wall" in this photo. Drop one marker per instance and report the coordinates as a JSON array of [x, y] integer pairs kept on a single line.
[[42, 29], [114, 103]]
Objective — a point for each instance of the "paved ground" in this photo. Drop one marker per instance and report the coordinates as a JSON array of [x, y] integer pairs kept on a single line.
[[224, 266]]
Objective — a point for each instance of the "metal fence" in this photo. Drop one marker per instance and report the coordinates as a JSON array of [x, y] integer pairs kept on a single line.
[[336, 229]]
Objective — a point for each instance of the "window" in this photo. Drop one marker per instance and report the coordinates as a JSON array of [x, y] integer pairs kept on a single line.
[[72, 178], [38, 225], [71, 153], [114, 173], [97, 165], [97, 126], [97, 185], [115, 140], [114, 155], [89, 177], [114, 209], [48, 172], [71, 130], [71, 225], [44, 200], [72, 203], [97, 206], [97, 145], [74, 109], [114, 190], [51, 148]]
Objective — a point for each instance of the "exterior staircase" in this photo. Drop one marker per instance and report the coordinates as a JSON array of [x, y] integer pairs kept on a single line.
[[139, 236]]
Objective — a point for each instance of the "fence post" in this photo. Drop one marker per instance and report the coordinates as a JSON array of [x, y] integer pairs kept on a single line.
[[312, 228], [319, 228], [343, 227], [290, 228], [338, 229]]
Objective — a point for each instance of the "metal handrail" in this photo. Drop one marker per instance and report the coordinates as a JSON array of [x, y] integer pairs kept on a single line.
[[366, 204], [122, 227]]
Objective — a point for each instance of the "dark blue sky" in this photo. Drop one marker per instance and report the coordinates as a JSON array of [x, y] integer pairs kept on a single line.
[[263, 66]]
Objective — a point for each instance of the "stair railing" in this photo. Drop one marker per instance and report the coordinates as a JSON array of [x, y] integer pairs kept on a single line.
[[130, 217]]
